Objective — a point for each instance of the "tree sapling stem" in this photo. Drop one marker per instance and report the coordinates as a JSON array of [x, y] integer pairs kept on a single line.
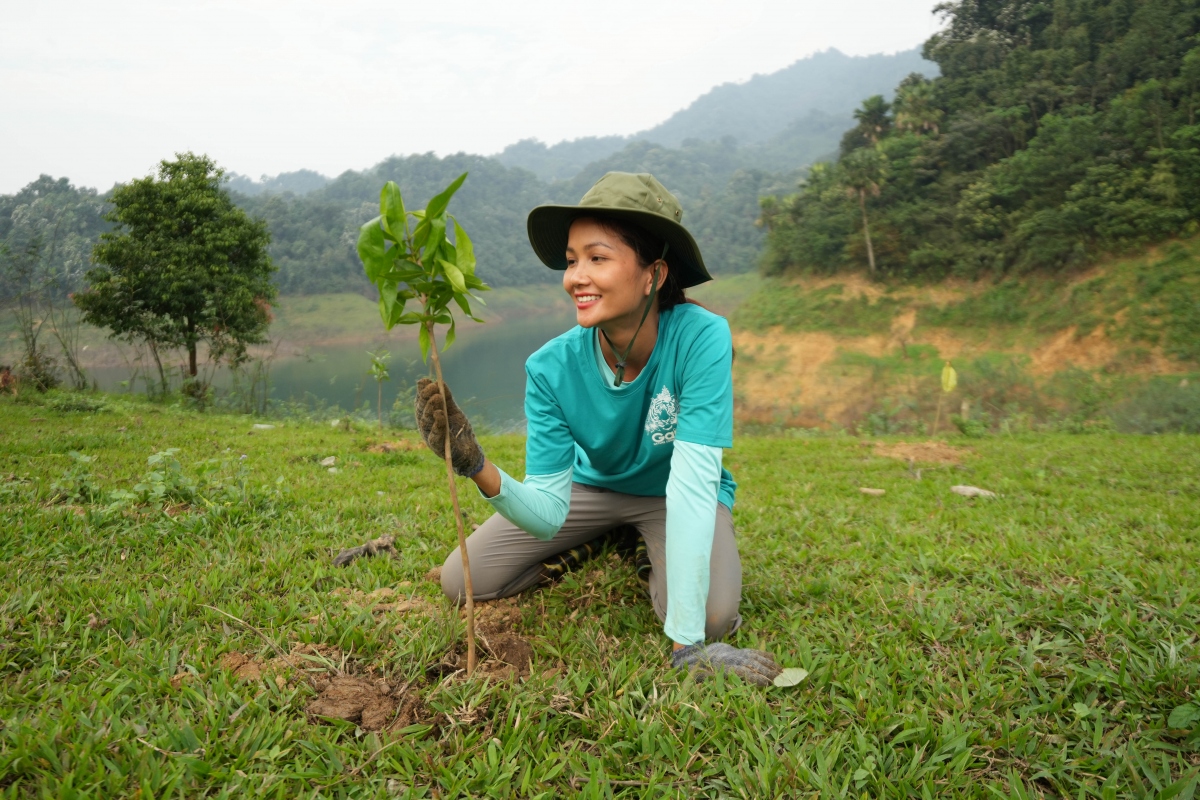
[[462, 536]]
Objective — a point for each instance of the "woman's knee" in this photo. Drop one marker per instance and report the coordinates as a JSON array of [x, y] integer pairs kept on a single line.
[[453, 585], [720, 620]]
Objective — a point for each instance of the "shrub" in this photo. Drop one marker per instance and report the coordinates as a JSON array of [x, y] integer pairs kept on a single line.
[[1163, 405]]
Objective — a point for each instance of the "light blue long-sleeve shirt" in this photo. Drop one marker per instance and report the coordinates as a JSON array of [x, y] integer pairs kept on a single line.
[[540, 504]]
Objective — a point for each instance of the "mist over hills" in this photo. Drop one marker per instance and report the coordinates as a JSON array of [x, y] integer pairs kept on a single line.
[[800, 110], [720, 154]]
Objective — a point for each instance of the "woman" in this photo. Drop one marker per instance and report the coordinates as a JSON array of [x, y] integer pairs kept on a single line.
[[627, 417]]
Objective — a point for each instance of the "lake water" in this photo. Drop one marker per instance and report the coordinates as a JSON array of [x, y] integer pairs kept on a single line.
[[485, 368]]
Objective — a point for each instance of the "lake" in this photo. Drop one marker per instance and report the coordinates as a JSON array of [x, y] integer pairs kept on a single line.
[[485, 368]]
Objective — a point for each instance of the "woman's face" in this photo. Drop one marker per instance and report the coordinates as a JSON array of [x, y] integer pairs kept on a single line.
[[603, 275]]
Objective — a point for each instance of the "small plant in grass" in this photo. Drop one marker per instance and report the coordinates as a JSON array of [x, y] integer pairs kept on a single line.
[[949, 381], [420, 263], [379, 372], [77, 484]]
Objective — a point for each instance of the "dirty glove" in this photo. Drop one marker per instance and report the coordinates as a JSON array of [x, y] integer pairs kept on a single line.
[[465, 452], [753, 666]]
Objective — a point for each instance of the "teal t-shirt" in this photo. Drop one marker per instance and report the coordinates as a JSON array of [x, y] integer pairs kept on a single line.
[[622, 439]]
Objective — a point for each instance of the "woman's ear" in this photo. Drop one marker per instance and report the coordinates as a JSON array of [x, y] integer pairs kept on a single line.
[[662, 268]]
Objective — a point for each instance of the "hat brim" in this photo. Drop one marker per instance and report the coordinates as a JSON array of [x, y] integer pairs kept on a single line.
[[550, 225]]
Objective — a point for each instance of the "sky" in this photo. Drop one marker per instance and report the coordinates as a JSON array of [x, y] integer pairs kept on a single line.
[[100, 92]]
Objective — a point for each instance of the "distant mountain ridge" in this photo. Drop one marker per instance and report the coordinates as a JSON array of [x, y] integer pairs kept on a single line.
[[810, 101]]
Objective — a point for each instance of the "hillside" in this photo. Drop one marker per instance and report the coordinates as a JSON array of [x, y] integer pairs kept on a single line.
[[1117, 345], [1055, 134]]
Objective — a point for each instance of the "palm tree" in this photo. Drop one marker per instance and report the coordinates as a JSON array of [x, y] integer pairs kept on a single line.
[[915, 109], [873, 119], [865, 172]]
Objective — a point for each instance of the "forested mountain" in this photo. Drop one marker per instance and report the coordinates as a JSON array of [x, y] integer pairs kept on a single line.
[[806, 105], [302, 181], [46, 235], [1055, 133], [746, 141], [765, 105]]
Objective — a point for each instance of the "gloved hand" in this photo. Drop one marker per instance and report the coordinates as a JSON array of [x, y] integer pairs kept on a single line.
[[702, 661], [465, 452]]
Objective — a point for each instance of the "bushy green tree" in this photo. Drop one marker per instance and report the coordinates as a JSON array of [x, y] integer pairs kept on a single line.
[[184, 266], [1056, 132]]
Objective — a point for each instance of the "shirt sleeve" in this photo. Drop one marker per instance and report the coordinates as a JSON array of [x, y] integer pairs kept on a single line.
[[691, 519], [706, 388], [538, 506]]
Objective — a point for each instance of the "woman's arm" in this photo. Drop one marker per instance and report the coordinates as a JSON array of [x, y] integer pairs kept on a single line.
[[538, 506], [691, 519]]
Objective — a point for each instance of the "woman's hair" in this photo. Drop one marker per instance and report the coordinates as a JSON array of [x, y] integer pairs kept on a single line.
[[648, 248]]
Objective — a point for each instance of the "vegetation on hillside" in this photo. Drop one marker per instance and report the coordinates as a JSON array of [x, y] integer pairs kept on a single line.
[[1055, 133]]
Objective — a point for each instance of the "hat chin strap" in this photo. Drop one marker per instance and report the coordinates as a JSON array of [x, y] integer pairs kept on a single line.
[[621, 362]]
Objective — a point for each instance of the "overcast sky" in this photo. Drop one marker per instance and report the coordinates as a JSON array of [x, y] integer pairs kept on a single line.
[[100, 92]]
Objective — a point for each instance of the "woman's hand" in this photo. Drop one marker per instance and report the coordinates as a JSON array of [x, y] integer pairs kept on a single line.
[[702, 661], [465, 452]]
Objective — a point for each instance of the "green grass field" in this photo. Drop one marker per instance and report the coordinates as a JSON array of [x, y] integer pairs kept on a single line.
[[1043, 643]]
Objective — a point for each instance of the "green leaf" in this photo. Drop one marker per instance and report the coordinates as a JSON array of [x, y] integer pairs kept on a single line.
[[434, 242], [372, 250], [791, 676], [461, 299], [1184, 717], [425, 342], [449, 337], [437, 206], [421, 233], [391, 304], [1081, 710], [454, 275], [949, 378], [391, 209], [464, 249]]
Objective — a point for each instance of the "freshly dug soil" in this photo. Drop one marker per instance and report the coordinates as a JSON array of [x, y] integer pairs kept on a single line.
[[513, 651], [355, 698]]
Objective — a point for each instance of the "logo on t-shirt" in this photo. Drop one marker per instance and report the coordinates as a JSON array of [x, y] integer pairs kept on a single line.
[[662, 418]]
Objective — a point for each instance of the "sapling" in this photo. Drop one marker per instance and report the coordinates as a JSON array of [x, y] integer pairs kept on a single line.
[[421, 263], [949, 381], [379, 372]]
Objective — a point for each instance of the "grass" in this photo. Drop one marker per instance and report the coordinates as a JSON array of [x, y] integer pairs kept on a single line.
[[1030, 646], [796, 308]]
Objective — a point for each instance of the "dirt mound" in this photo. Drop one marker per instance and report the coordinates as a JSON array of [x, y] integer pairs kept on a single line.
[[385, 600], [923, 452], [507, 655], [496, 616], [400, 446], [511, 651], [355, 698], [304, 658]]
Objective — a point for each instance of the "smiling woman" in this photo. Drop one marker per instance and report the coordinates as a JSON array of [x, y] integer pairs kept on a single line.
[[627, 417]]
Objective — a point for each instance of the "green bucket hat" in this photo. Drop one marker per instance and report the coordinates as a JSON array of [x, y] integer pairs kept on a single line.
[[638, 198]]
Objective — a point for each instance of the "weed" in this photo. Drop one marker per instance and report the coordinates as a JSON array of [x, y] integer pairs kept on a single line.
[[77, 484]]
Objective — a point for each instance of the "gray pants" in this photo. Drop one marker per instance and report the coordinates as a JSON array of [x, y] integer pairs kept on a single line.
[[506, 560]]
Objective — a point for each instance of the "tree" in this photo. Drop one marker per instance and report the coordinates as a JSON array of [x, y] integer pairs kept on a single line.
[[183, 266], [915, 106], [865, 173], [874, 123], [379, 372]]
